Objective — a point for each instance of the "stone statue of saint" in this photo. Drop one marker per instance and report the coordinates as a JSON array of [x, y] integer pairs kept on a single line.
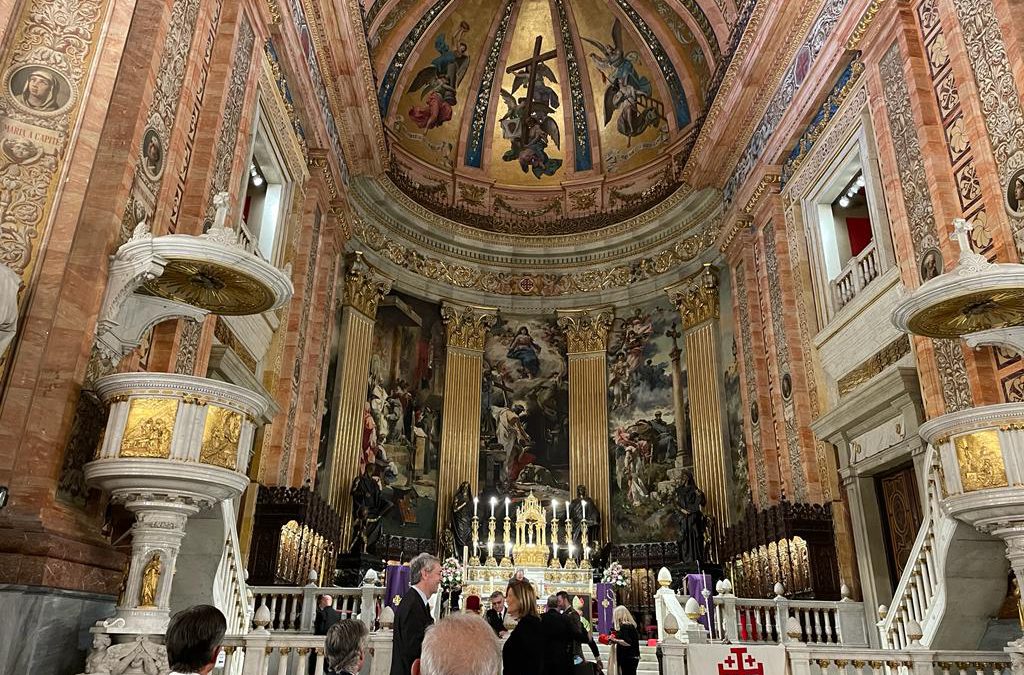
[[150, 580], [461, 519], [692, 521], [578, 513]]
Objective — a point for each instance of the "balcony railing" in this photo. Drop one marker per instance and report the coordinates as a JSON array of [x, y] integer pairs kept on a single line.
[[860, 271], [293, 608], [248, 241]]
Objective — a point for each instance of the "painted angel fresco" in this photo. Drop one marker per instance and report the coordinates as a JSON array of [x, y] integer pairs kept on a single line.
[[439, 82], [530, 127], [627, 92]]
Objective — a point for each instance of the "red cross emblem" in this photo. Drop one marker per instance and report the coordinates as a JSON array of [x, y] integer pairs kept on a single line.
[[739, 662]]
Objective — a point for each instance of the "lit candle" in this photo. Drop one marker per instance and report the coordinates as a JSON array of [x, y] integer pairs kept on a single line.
[[567, 510], [507, 502], [554, 509], [476, 503], [572, 550], [494, 502], [584, 509]]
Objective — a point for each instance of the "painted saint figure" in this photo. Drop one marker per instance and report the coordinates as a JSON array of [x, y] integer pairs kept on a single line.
[[41, 90], [526, 351], [439, 81], [627, 91]]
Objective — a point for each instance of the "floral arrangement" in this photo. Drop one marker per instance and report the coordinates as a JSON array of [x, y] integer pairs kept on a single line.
[[451, 574], [614, 575]]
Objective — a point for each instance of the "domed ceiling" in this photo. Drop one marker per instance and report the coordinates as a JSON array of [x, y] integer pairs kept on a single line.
[[541, 116]]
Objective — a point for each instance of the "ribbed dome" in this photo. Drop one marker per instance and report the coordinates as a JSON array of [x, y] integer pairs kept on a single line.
[[557, 115]]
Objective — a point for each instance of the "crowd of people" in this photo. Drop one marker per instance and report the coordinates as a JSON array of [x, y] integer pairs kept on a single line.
[[551, 643], [511, 638]]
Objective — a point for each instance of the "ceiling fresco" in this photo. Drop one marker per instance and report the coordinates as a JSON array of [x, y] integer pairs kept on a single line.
[[539, 109]]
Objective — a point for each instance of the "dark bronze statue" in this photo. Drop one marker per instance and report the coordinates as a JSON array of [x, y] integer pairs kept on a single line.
[[368, 509], [460, 521], [692, 521]]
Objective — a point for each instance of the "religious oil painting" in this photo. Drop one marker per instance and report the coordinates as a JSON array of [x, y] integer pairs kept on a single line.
[[39, 89], [524, 410], [402, 418], [428, 115], [648, 422], [631, 112], [732, 399]]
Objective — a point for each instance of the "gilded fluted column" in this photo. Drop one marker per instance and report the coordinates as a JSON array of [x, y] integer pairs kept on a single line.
[[697, 301], [364, 288], [586, 333], [466, 330]]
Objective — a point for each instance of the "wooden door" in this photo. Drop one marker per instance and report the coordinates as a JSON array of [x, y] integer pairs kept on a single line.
[[901, 515]]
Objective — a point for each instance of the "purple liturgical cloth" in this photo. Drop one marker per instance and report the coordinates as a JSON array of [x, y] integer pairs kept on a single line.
[[605, 606], [695, 583], [396, 583]]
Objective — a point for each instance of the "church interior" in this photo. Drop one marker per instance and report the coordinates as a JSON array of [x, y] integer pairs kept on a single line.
[[713, 309]]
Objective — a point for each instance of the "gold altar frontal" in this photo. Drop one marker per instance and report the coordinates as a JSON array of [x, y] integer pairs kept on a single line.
[[482, 580]]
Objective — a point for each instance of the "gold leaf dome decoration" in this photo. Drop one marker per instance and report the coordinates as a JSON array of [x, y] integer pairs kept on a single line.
[[970, 313]]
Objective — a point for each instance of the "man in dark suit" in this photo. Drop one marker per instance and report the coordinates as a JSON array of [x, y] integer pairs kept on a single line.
[[326, 616], [578, 633], [412, 616], [557, 640], [495, 616]]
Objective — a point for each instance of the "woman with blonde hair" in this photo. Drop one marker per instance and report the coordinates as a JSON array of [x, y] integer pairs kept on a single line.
[[523, 653], [626, 643]]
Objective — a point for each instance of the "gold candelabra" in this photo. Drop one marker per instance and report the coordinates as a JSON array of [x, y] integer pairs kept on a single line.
[[475, 559], [490, 542], [584, 546]]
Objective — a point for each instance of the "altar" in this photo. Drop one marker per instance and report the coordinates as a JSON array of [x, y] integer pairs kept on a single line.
[[532, 551]]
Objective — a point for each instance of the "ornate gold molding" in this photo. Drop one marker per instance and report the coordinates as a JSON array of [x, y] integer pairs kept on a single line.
[[467, 326], [586, 330], [738, 226], [853, 44], [875, 364], [764, 185], [364, 286], [980, 458], [696, 297]]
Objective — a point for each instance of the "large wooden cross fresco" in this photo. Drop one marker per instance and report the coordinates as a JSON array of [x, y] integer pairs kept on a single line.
[[530, 66]]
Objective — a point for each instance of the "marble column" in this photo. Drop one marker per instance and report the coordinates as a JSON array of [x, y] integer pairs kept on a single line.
[[466, 330], [586, 333], [364, 288], [697, 300]]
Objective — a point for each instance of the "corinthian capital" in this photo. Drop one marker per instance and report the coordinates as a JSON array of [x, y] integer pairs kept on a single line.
[[364, 286], [696, 297], [586, 330], [467, 326]]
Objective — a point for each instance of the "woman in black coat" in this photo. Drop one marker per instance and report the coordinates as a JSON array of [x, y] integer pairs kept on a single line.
[[523, 653], [626, 641]]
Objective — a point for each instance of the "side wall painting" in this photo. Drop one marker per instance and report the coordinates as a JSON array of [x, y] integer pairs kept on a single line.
[[402, 415], [736, 460], [646, 400], [524, 410]]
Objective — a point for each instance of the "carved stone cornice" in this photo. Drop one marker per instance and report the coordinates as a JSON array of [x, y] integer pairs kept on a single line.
[[467, 327], [586, 330], [696, 297], [364, 286]]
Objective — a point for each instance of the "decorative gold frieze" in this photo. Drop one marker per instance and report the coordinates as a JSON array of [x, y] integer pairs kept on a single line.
[[467, 326], [696, 297], [981, 461], [853, 44], [879, 361], [220, 437], [149, 428], [586, 330], [364, 286], [769, 181]]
